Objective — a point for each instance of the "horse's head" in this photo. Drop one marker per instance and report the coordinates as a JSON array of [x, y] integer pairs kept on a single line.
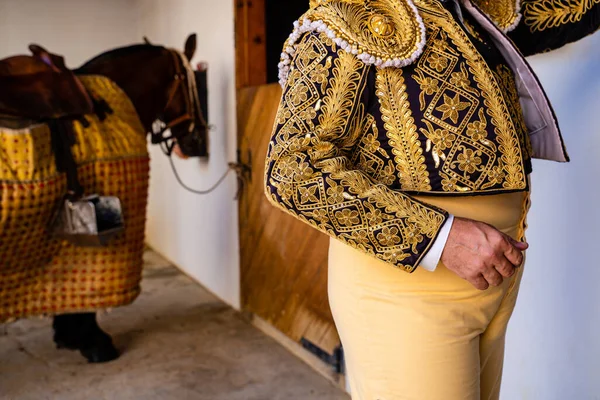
[[162, 86], [182, 115]]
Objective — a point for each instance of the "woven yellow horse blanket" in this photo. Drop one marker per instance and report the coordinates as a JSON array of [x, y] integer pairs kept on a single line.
[[40, 275]]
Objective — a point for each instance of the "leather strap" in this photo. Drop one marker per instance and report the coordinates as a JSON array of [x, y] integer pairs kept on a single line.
[[63, 138]]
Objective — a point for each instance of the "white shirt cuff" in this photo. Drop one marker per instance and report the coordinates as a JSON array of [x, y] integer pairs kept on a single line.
[[434, 255]]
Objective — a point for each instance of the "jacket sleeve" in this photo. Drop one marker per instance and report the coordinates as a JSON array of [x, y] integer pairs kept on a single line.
[[550, 24], [309, 172]]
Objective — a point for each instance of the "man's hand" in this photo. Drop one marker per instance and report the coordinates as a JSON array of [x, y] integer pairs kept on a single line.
[[481, 254]]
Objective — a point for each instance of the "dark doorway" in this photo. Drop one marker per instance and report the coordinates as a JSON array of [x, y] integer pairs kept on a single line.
[[280, 17]]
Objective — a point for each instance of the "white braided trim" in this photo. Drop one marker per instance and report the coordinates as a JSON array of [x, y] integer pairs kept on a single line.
[[517, 20], [300, 28], [513, 26]]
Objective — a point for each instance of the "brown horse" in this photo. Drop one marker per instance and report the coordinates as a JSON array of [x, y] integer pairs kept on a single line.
[[160, 85]]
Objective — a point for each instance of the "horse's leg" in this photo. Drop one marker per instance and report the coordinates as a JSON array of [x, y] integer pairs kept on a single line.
[[81, 332]]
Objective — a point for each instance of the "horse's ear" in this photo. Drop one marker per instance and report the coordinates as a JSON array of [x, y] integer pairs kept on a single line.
[[146, 41], [190, 46], [42, 54], [53, 60], [37, 50]]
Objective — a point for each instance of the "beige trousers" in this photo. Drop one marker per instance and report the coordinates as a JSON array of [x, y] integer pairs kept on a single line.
[[426, 335]]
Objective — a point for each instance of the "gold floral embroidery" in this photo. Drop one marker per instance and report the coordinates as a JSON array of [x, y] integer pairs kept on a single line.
[[450, 184], [375, 217], [321, 74], [438, 140], [335, 192], [476, 132], [360, 237], [310, 176], [347, 217], [450, 100], [299, 94], [413, 236], [285, 190], [308, 115], [389, 236], [438, 62], [307, 195], [387, 174], [451, 107], [543, 15], [288, 166], [429, 86], [496, 175], [460, 79], [320, 215], [468, 161], [370, 143], [283, 114], [304, 171]]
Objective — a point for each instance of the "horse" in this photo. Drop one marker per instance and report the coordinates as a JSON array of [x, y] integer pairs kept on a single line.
[[128, 90]]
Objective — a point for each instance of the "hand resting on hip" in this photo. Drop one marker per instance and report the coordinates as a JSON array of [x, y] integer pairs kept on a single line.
[[481, 254]]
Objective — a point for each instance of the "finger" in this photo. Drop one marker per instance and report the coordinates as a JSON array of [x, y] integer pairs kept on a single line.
[[521, 246], [493, 277], [513, 254], [479, 282], [505, 267]]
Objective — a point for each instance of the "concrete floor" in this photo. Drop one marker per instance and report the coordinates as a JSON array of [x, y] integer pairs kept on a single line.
[[179, 342]]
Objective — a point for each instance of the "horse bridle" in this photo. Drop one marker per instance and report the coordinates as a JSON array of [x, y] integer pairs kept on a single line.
[[192, 110], [192, 114]]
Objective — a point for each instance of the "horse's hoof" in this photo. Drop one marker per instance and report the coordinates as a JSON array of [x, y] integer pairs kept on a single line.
[[100, 352], [81, 332]]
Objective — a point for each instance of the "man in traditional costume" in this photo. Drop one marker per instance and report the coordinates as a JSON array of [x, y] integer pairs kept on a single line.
[[406, 132]]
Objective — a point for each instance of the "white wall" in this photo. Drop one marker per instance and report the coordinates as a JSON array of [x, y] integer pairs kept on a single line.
[[553, 351], [199, 234], [77, 29]]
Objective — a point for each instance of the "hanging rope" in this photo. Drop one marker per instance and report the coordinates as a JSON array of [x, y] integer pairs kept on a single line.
[[240, 170]]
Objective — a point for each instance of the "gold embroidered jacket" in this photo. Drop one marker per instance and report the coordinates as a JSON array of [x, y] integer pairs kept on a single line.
[[386, 99]]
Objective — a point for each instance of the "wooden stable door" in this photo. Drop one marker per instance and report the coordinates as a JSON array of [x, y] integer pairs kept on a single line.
[[283, 261]]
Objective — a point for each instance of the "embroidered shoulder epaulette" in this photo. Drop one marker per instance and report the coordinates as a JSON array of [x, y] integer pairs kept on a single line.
[[385, 33], [506, 14]]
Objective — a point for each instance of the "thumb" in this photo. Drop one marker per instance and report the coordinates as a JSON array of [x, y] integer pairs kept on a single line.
[[519, 245]]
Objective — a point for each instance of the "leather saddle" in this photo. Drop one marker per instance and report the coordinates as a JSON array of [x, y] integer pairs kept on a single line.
[[35, 89]]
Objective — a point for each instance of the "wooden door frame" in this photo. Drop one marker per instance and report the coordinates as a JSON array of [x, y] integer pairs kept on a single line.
[[250, 43]]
